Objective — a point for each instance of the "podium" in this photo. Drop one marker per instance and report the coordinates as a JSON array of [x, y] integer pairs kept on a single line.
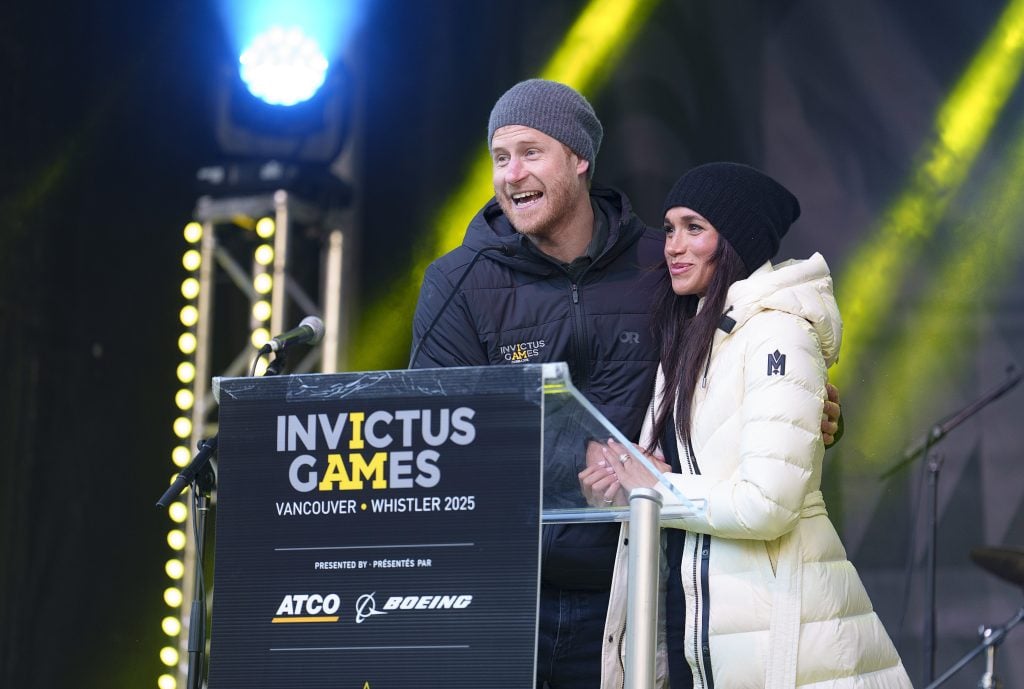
[[382, 529]]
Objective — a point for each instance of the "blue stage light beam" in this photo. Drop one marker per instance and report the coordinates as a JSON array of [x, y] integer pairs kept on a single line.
[[275, 34], [283, 66]]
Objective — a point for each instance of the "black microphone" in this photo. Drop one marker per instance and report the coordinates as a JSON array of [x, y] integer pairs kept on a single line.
[[199, 462], [309, 331], [503, 249]]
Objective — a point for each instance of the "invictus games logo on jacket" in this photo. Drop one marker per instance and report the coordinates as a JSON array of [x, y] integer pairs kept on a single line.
[[521, 352], [776, 364]]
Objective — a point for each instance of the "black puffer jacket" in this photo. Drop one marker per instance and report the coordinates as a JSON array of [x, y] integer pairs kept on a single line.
[[524, 308]]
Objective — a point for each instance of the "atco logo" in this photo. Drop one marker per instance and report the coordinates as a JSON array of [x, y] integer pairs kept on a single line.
[[522, 352], [366, 606], [308, 607]]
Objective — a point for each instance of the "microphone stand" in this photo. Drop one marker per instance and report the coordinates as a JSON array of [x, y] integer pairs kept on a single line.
[[201, 461], [277, 364], [934, 467], [203, 486], [200, 475]]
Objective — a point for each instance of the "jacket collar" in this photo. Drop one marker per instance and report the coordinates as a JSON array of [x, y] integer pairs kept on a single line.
[[490, 227]]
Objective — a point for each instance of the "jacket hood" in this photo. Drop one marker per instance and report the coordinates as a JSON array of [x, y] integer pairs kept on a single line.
[[799, 287], [491, 228]]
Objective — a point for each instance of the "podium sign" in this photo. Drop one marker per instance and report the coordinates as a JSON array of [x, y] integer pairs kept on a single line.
[[378, 530]]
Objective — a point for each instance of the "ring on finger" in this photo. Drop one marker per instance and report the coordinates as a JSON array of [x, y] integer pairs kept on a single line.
[[623, 458]]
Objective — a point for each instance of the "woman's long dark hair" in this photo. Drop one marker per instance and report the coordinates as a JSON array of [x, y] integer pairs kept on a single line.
[[684, 338]]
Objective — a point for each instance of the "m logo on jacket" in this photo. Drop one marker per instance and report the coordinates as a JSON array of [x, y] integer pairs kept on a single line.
[[776, 364]]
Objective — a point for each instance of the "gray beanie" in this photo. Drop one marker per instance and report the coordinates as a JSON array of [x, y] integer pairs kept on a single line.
[[747, 207], [553, 108]]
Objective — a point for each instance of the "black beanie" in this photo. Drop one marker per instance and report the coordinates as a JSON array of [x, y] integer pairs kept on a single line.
[[747, 207]]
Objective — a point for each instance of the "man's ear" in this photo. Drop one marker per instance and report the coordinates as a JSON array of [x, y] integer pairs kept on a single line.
[[582, 166]]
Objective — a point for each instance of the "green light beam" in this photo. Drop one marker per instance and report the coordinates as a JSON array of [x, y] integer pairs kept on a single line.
[[869, 285], [935, 345]]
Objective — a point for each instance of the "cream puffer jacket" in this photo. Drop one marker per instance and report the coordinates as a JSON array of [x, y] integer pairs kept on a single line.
[[771, 599]]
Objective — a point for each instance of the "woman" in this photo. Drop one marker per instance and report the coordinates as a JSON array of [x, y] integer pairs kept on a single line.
[[770, 597]]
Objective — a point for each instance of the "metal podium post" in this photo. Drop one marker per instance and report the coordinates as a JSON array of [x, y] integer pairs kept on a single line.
[[642, 610]]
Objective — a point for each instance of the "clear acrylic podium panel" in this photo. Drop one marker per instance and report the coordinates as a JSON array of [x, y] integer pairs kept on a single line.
[[571, 422]]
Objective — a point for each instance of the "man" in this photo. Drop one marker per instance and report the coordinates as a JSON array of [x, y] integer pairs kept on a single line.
[[567, 267]]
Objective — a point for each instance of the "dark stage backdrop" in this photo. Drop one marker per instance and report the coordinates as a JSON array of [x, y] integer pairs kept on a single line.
[[105, 114]]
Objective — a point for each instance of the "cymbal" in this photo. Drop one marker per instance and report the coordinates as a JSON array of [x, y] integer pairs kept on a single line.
[[1005, 563]]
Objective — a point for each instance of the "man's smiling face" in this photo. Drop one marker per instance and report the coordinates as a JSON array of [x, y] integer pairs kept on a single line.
[[537, 179]]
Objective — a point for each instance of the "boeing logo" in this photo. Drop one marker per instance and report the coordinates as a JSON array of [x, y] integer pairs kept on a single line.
[[366, 606]]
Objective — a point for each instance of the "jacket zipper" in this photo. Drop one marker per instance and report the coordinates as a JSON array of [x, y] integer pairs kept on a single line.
[[582, 367], [621, 654], [691, 459], [707, 367]]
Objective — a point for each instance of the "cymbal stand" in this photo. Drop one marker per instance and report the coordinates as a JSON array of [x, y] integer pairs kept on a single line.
[[991, 637]]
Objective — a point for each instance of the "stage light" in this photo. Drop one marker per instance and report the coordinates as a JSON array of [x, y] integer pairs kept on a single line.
[[171, 626], [277, 146], [180, 456], [259, 337], [190, 288], [184, 399], [178, 512], [193, 232], [187, 343], [186, 372], [283, 66], [166, 682], [191, 259], [176, 539], [175, 568], [182, 427], [169, 656], [264, 254], [172, 596], [263, 283], [288, 96], [261, 310], [265, 228], [189, 315]]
